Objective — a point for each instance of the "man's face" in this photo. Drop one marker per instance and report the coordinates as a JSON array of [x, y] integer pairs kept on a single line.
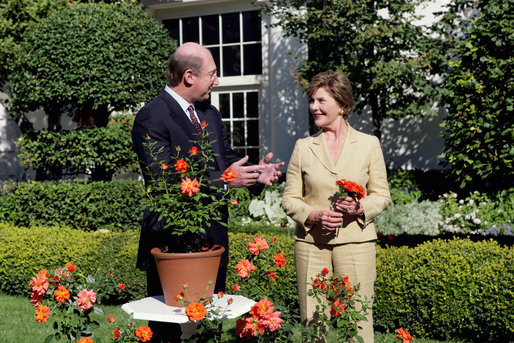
[[206, 79]]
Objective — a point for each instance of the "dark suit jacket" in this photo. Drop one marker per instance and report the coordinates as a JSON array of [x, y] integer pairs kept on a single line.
[[166, 123]]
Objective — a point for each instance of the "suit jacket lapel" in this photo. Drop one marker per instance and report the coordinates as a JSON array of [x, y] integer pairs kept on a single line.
[[346, 154], [214, 134], [319, 148], [179, 116]]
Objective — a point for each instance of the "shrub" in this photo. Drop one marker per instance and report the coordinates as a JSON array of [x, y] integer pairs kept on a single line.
[[478, 213], [80, 205], [403, 186], [82, 151], [24, 251], [90, 59], [447, 289], [413, 218]]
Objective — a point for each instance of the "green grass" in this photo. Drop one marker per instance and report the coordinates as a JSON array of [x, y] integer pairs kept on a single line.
[[18, 324]]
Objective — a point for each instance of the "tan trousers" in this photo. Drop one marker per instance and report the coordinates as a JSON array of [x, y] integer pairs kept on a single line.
[[356, 260]]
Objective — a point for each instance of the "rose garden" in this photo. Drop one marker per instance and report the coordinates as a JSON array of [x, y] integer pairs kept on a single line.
[[69, 240]]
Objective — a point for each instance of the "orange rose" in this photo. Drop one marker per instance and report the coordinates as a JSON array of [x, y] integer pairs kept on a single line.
[[229, 175], [61, 294], [193, 150], [70, 267], [42, 313], [189, 187], [144, 333], [181, 166], [195, 311]]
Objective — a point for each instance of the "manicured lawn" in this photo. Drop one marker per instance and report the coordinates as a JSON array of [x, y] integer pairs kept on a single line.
[[18, 324]]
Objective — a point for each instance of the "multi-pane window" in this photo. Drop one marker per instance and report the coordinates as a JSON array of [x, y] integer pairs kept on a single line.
[[233, 38], [240, 115]]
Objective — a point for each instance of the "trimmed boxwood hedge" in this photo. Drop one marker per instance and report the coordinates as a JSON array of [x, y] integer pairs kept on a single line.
[[439, 289], [446, 289], [87, 206]]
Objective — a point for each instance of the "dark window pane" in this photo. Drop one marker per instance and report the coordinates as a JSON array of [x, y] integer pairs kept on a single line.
[[210, 30], [239, 133], [252, 105], [226, 124], [251, 26], [252, 59], [240, 151], [216, 56], [190, 32], [231, 61], [253, 132], [238, 105], [230, 22], [253, 155], [224, 105], [173, 28]]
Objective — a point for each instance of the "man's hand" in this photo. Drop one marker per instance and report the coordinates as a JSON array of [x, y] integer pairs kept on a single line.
[[248, 175], [271, 171]]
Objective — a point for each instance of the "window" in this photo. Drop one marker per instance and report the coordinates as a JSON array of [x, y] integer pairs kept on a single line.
[[240, 115], [233, 38]]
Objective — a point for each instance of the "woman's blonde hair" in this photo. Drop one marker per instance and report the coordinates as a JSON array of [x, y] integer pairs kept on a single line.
[[337, 84]]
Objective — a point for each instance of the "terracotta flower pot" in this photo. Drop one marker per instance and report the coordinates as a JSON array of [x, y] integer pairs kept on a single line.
[[196, 269]]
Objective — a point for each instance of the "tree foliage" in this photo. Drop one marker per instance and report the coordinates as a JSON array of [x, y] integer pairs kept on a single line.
[[479, 127], [87, 60], [388, 58]]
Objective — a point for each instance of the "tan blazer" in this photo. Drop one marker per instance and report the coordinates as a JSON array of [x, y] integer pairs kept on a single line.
[[311, 184]]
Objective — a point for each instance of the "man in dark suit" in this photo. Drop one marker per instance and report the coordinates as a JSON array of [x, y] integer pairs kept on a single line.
[[170, 121]]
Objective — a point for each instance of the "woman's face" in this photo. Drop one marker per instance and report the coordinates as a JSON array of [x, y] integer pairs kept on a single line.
[[324, 108]]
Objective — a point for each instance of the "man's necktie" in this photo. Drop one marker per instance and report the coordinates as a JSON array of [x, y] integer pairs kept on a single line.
[[195, 122]]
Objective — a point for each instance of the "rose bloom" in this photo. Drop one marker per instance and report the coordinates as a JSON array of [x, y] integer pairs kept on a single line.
[[337, 308], [189, 187], [179, 297], [111, 319], [42, 313], [85, 340], [280, 260], [70, 267], [181, 166], [234, 202], [193, 150], [272, 275], [221, 294], [116, 333], [86, 299], [40, 282], [404, 335], [324, 271], [244, 268], [235, 288], [204, 124], [229, 175], [144, 333], [195, 311], [248, 327], [164, 166], [121, 286], [272, 320], [61, 294], [35, 298], [261, 308]]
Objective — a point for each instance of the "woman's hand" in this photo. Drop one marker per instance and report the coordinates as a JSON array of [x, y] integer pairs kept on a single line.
[[329, 220], [349, 205]]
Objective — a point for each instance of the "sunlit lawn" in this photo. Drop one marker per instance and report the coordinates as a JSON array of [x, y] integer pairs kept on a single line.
[[18, 324]]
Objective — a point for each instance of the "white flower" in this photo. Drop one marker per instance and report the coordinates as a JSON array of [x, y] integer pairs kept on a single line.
[[477, 221], [461, 201], [454, 195]]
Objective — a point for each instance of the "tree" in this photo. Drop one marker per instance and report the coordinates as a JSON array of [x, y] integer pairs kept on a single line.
[[89, 60], [386, 56], [479, 129]]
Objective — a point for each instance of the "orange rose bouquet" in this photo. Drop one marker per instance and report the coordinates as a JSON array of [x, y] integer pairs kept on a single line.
[[184, 197], [350, 189], [68, 298]]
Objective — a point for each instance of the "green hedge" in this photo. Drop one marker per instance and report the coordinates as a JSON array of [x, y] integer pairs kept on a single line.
[[114, 205], [440, 289], [24, 251], [447, 289]]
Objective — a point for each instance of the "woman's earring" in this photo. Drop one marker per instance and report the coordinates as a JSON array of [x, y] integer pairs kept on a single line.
[[341, 112]]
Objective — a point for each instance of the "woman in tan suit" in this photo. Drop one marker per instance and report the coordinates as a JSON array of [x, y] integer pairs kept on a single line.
[[336, 152]]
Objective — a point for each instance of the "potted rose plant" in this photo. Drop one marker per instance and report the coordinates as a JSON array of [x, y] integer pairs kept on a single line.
[[186, 201]]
